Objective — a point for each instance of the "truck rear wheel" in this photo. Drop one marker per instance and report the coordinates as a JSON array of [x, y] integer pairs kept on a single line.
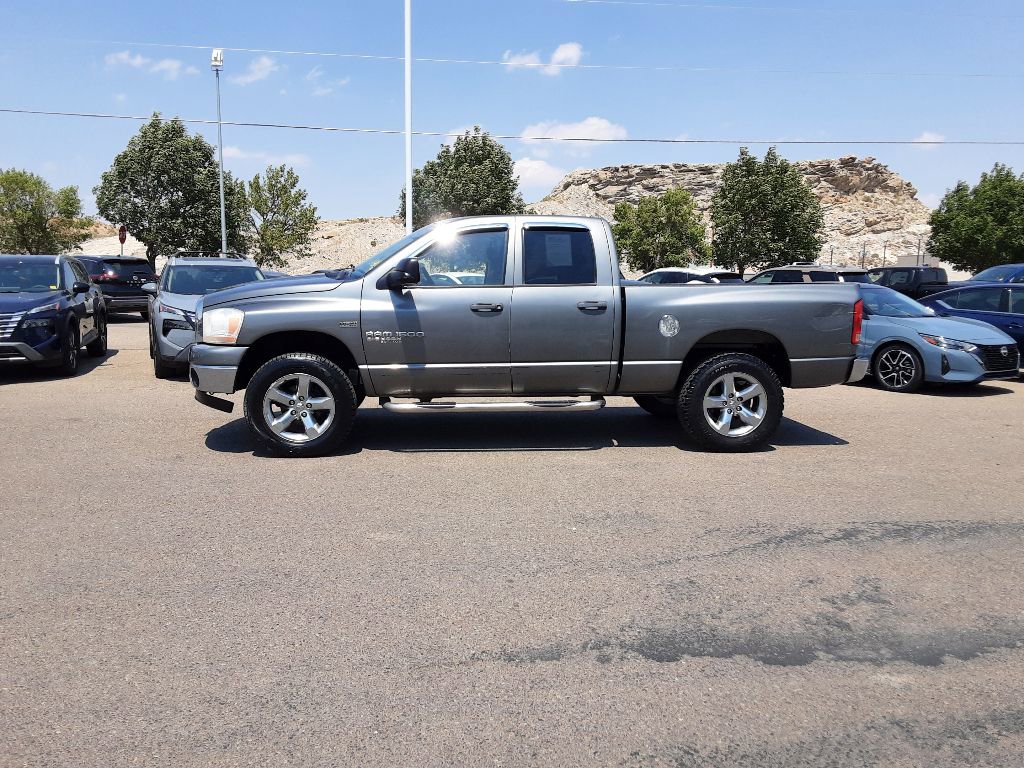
[[300, 404], [731, 402]]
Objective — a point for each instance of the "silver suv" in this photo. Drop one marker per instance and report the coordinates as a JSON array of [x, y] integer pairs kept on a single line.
[[172, 303]]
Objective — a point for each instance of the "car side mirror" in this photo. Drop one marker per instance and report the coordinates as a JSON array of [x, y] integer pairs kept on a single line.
[[405, 272], [79, 287], [149, 288]]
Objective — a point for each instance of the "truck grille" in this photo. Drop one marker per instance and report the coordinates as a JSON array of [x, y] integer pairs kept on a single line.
[[8, 322], [995, 360]]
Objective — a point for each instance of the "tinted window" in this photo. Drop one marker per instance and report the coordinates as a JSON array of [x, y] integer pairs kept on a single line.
[[787, 276], [877, 276], [763, 278], [855, 277], [555, 256], [201, 279], [476, 258], [1017, 301], [824, 277], [79, 270], [676, 277], [978, 300], [899, 277], [125, 269]]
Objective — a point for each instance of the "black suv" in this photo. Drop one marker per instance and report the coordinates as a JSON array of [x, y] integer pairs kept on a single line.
[[48, 310], [121, 280]]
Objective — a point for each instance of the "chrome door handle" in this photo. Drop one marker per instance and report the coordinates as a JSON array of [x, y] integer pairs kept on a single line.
[[591, 306], [486, 308]]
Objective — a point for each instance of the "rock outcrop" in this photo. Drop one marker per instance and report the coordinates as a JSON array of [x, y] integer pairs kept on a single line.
[[869, 209]]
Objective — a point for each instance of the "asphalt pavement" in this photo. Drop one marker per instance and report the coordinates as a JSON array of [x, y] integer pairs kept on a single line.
[[470, 589]]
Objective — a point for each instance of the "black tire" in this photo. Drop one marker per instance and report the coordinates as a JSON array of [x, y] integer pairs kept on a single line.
[[145, 314], [746, 424], [663, 407], [161, 369], [69, 347], [98, 346], [327, 381], [898, 368]]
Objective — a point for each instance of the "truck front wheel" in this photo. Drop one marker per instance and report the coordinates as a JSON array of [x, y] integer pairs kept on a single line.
[[300, 404], [731, 402]]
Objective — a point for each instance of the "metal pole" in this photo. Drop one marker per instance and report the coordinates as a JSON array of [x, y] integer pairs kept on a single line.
[[408, 116], [885, 246], [831, 248], [220, 152]]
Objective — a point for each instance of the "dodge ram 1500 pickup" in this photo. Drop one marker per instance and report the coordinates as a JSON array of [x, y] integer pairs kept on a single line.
[[545, 324]]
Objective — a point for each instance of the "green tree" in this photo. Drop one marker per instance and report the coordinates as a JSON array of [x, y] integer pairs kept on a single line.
[[36, 219], [981, 226], [164, 188], [280, 219], [764, 214], [661, 231], [473, 177]]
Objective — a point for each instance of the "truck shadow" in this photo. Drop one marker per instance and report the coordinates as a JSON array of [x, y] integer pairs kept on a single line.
[[378, 430]]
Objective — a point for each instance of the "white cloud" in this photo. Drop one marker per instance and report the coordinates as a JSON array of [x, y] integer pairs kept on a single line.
[[268, 158], [928, 138], [120, 98], [588, 128], [171, 69], [315, 73], [564, 56], [537, 174], [322, 86], [259, 69], [931, 199]]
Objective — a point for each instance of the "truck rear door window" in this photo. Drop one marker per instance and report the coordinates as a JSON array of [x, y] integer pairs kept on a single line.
[[555, 256]]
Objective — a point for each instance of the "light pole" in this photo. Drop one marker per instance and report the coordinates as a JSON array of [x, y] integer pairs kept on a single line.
[[217, 64], [408, 116]]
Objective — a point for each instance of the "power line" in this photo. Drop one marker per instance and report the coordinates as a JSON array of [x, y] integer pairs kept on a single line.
[[580, 66], [777, 9], [520, 137]]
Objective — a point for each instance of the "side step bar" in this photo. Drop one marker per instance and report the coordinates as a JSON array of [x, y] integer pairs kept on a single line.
[[523, 406]]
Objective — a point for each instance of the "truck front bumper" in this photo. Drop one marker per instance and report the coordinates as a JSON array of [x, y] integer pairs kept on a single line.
[[214, 368]]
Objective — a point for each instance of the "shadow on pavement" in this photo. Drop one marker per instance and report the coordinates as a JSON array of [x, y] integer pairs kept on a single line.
[[378, 430], [25, 373], [985, 389]]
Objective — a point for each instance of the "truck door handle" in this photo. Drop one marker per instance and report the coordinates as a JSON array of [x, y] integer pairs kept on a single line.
[[591, 306], [486, 308]]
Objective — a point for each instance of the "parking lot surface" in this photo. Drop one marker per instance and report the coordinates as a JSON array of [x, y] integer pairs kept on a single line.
[[504, 589]]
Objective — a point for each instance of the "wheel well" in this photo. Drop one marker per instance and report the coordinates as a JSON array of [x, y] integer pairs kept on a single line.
[[893, 343], [311, 342], [758, 343]]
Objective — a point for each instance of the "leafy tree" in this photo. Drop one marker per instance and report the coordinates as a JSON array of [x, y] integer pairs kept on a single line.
[[473, 177], [36, 219], [764, 214], [164, 188], [981, 226], [661, 231], [280, 219]]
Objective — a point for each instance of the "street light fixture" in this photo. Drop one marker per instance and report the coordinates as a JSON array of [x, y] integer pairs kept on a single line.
[[217, 64]]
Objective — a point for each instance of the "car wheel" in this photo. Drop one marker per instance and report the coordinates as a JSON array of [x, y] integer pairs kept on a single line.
[[98, 346], [731, 402], [69, 351], [898, 368], [662, 407], [300, 405], [161, 369]]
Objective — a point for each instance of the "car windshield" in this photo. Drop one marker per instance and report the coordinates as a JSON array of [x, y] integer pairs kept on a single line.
[[380, 257], [855, 277], [888, 303], [199, 279], [996, 274], [22, 277]]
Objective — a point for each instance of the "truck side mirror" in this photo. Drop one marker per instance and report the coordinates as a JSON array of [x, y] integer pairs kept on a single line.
[[405, 272]]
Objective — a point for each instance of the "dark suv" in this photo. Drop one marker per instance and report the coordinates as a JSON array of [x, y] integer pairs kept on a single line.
[[806, 272], [121, 280], [48, 310]]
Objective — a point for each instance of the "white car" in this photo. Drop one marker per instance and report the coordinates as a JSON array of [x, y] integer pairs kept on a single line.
[[693, 274], [457, 278]]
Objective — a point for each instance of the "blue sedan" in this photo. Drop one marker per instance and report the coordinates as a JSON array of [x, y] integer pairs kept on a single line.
[[907, 344], [998, 305]]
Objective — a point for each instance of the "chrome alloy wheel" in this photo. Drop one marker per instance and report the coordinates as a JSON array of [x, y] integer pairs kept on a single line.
[[298, 407], [735, 404], [896, 368]]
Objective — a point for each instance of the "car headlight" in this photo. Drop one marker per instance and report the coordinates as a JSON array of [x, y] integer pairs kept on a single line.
[[55, 306], [944, 343], [168, 310], [222, 325]]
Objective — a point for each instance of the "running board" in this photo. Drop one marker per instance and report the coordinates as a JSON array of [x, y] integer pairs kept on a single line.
[[522, 406]]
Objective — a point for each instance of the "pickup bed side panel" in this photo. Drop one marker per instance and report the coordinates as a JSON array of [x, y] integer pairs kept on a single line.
[[812, 323]]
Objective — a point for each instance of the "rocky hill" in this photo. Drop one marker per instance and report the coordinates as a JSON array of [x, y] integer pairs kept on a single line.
[[867, 207]]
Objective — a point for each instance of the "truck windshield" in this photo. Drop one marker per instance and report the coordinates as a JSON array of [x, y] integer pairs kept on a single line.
[[380, 257], [888, 303]]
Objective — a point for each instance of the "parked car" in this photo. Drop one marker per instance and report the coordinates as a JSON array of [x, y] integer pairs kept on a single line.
[[996, 303], [552, 320], [271, 274], [915, 282], [121, 279], [907, 344], [48, 310], [1004, 273], [667, 275], [810, 273], [172, 303], [458, 278]]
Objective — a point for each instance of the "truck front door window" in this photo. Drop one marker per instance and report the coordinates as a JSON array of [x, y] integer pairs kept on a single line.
[[466, 258]]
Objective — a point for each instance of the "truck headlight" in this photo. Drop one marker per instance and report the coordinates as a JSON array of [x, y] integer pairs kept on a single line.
[[944, 343], [222, 325]]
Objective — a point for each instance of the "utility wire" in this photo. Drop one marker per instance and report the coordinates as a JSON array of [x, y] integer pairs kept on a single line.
[[520, 137], [778, 9]]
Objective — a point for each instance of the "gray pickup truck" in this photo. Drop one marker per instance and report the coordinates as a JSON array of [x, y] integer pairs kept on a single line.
[[515, 314]]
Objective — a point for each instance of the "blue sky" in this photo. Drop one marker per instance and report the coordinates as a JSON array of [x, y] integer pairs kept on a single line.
[[771, 73]]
